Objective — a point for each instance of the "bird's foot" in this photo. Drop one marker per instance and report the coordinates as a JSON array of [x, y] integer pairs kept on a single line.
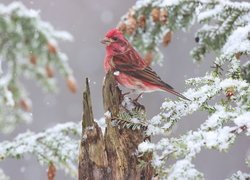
[[137, 104], [137, 98], [123, 95]]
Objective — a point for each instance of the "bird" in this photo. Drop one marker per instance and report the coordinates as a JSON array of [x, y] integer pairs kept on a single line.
[[129, 68]]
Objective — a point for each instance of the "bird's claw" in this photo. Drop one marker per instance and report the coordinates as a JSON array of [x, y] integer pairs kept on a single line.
[[123, 95], [137, 98]]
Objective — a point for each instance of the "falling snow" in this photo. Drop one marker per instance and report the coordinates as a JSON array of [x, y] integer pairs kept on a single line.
[[116, 73], [226, 116]]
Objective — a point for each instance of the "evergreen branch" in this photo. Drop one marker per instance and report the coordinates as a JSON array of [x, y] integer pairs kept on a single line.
[[28, 47], [57, 145], [239, 175], [225, 31]]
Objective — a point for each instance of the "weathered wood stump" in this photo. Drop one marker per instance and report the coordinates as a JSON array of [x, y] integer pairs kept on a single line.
[[113, 155]]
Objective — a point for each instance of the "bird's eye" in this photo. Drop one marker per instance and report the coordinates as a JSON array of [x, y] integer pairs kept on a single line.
[[115, 38]]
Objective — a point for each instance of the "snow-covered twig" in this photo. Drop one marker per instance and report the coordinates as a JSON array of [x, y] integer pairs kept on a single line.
[[29, 48], [224, 92], [57, 145]]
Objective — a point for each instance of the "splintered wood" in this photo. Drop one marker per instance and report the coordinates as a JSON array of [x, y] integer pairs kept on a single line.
[[112, 155]]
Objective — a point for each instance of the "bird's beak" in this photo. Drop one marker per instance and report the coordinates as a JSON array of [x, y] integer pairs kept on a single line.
[[106, 41]]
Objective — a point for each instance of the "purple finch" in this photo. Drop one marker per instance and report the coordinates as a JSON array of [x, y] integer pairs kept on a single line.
[[129, 67]]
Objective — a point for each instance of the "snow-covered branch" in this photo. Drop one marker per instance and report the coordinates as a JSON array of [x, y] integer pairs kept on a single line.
[[29, 48], [57, 145], [224, 92], [239, 175], [225, 25]]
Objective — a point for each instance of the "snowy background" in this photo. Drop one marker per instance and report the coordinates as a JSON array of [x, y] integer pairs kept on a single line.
[[88, 21]]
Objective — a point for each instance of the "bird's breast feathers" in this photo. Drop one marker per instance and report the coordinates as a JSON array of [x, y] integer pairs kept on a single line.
[[136, 84], [108, 64]]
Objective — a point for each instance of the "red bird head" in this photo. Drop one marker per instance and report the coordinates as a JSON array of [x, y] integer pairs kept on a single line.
[[115, 42]]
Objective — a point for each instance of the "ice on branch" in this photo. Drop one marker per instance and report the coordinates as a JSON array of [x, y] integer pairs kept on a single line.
[[28, 47], [57, 145]]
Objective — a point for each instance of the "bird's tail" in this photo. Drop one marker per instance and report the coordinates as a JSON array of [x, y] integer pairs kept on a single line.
[[175, 93]]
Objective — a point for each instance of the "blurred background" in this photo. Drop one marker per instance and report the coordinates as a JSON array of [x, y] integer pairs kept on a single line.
[[88, 22]]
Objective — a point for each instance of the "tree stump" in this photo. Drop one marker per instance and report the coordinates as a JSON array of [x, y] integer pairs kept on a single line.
[[112, 155]]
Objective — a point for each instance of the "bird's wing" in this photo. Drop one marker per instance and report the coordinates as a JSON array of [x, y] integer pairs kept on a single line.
[[149, 76], [129, 60], [131, 63], [134, 66]]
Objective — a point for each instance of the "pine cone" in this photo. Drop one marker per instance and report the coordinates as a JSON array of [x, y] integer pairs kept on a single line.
[[167, 38], [229, 92], [163, 16], [149, 57], [122, 27], [52, 48], [71, 83], [33, 59], [131, 25], [50, 71], [237, 55], [142, 21], [155, 14], [25, 105], [51, 172]]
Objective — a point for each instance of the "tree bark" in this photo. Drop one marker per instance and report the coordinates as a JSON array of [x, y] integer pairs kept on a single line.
[[112, 155]]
